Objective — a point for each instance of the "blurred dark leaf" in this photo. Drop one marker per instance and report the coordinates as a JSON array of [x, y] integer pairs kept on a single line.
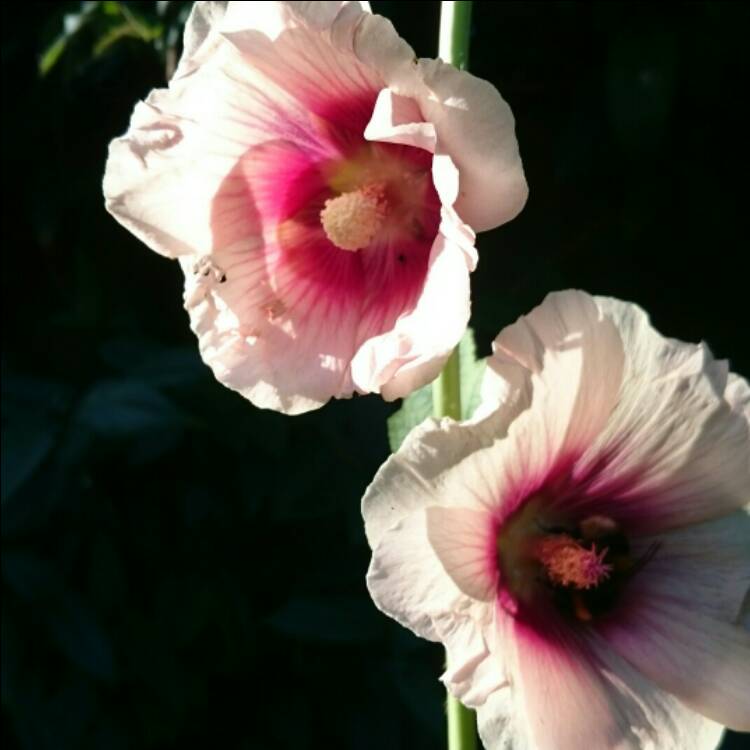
[[72, 23], [77, 632], [173, 367], [29, 576], [11, 648], [128, 408], [328, 618], [97, 27], [33, 410], [25, 444]]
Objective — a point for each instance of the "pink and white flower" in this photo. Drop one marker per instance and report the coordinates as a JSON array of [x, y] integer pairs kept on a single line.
[[321, 189], [581, 547]]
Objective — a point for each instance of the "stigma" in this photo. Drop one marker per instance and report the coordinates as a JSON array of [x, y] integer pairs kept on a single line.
[[568, 563], [352, 220]]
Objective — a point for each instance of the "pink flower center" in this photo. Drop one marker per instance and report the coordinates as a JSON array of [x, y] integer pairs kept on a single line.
[[569, 563], [352, 220]]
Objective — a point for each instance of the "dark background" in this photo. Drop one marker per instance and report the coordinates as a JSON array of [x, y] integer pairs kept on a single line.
[[181, 569]]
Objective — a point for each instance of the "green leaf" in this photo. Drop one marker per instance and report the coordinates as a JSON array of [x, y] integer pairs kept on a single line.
[[472, 371], [76, 630], [417, 406], [52, 54], [72, 24], [114, 35]]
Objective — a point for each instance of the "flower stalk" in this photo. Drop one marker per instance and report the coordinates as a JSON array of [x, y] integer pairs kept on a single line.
[[455, 25]]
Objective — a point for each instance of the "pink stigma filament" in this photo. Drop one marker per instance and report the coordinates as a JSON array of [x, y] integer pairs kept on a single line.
[[567, 563]]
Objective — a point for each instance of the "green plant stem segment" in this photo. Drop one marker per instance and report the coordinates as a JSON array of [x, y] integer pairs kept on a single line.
[[455, 24]]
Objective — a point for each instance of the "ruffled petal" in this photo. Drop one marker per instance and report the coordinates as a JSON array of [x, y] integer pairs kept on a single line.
[[279, 358], [564, 693], [705, 567], [398, 119], [657, 433], [200, 176], [440, 464], [333, 58], [167, 177], [475, 669], [675, 451], [476, 127], [701, 660], [574, 359], [408, 578], [414, 350], [201, 36]]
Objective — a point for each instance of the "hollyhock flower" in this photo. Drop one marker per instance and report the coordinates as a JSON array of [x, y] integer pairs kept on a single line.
[[581, 547], [321, 189]]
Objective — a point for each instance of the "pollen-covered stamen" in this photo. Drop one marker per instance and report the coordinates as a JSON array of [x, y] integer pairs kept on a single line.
[[351, 220], [568, 563]]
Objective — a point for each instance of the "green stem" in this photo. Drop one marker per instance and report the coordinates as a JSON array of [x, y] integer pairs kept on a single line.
[[455, 24]]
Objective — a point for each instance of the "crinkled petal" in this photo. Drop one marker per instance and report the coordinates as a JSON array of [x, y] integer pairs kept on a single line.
[[704, 567], [566, 693], [201, 36], [193, 179], [286, 359], [408, 578], [476, 127], [408, 481], [413, 352], [397, 119], [440, 463], [737, 394], [475, 667], [574, 357], [320, 52], [167, 176], [703, 661], [675, 451], [658, 432]]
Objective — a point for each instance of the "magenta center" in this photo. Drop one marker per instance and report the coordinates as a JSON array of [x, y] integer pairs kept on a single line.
[[348, 225], [578, 567]]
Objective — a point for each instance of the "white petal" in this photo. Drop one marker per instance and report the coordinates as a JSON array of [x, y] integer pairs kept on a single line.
[[319, 52], [174, 171], [565, 694], [702, 661], [201, 36], [397, 119], [475, 667], [443, 464], [409, 581], [737, 394], [705, 566], [397, 362], [476, 127], [675, 450], [574, 357]]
